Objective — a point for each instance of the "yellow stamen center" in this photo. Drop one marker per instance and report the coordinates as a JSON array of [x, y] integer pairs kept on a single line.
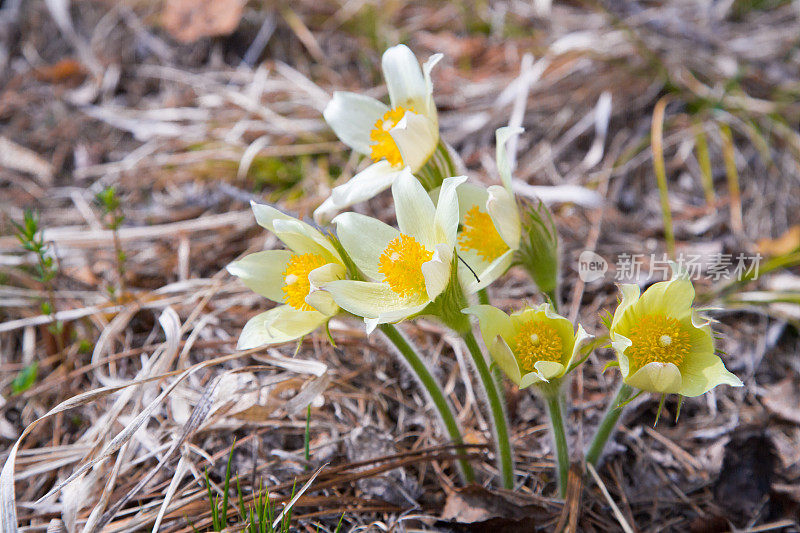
[[657, 339], [383, 146], [537, 341], [401, 265], [478, 233], [296, 281]]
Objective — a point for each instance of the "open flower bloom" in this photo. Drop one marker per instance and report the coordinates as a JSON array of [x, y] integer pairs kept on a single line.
[[532, 346], [662, 344], [403, 135], [490, 223], [406, 269], [291, 277]]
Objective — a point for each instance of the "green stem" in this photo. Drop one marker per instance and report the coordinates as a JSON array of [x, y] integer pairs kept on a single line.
[[607, 424], [483, 297], [552, 397], [434, 391], [502, 441], [553, 296]]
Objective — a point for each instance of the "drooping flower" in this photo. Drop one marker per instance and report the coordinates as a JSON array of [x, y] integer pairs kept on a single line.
[[490, 223], [403, 135], [662, 343], [406, 269], [534, 345], [290, 277], [498, 230]]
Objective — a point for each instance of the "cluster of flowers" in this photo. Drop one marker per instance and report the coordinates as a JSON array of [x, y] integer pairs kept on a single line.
[[453, 239]]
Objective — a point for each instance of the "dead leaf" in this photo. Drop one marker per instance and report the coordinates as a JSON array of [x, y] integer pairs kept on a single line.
[[190, 20], [66, 70], [783, 400], [783, 245], [19, 158], [476, 509]]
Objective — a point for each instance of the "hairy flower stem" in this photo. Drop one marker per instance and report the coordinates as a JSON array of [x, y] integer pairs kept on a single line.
[[502, 441], [551, 392], [434, 391], [608, 424]]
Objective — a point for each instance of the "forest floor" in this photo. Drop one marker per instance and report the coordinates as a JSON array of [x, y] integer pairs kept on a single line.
[[190, 118]]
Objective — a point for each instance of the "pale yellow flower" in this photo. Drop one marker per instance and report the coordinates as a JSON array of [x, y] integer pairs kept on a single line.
[[406, 269], [404, 134], [291, 277], [663, 345], [534, 345]]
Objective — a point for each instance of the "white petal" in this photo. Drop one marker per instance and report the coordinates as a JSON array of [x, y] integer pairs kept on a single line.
[[531, 378], [262, 272], [303, 237], [396, 315], [446, 219], [365, 239], [502, 207], [437, 271], [549, 369], [404, 78], [416, 137], [492, 321], [281, 324], [621, 343], [657, 377], [326, 211], [414, 208], [630, 295], [427, 67], [318, 299], [470, 195], [367, 184], [352, 117], [488, 275], [504, 358], [581, 337], [266, 215], [322, 302], [503, 166], [370, 300]]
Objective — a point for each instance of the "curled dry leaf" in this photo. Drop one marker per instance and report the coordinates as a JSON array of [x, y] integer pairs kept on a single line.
[[190, 20], [475, 508], [783, 400], [783, 245]]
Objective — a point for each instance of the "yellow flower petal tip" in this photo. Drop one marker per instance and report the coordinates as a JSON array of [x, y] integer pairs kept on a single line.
[[662, 345], [533, 345]]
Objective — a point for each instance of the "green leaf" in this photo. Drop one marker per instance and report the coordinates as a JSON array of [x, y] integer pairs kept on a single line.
[[25, 378]]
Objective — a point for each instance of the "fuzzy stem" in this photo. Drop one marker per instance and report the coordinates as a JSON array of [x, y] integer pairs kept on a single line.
[[553, 297], [552, 397], [483, 297], [608, 424], [500, 426], [434, 392]]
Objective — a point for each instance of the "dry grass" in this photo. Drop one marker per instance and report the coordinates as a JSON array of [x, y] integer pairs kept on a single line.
[[149, 391]]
